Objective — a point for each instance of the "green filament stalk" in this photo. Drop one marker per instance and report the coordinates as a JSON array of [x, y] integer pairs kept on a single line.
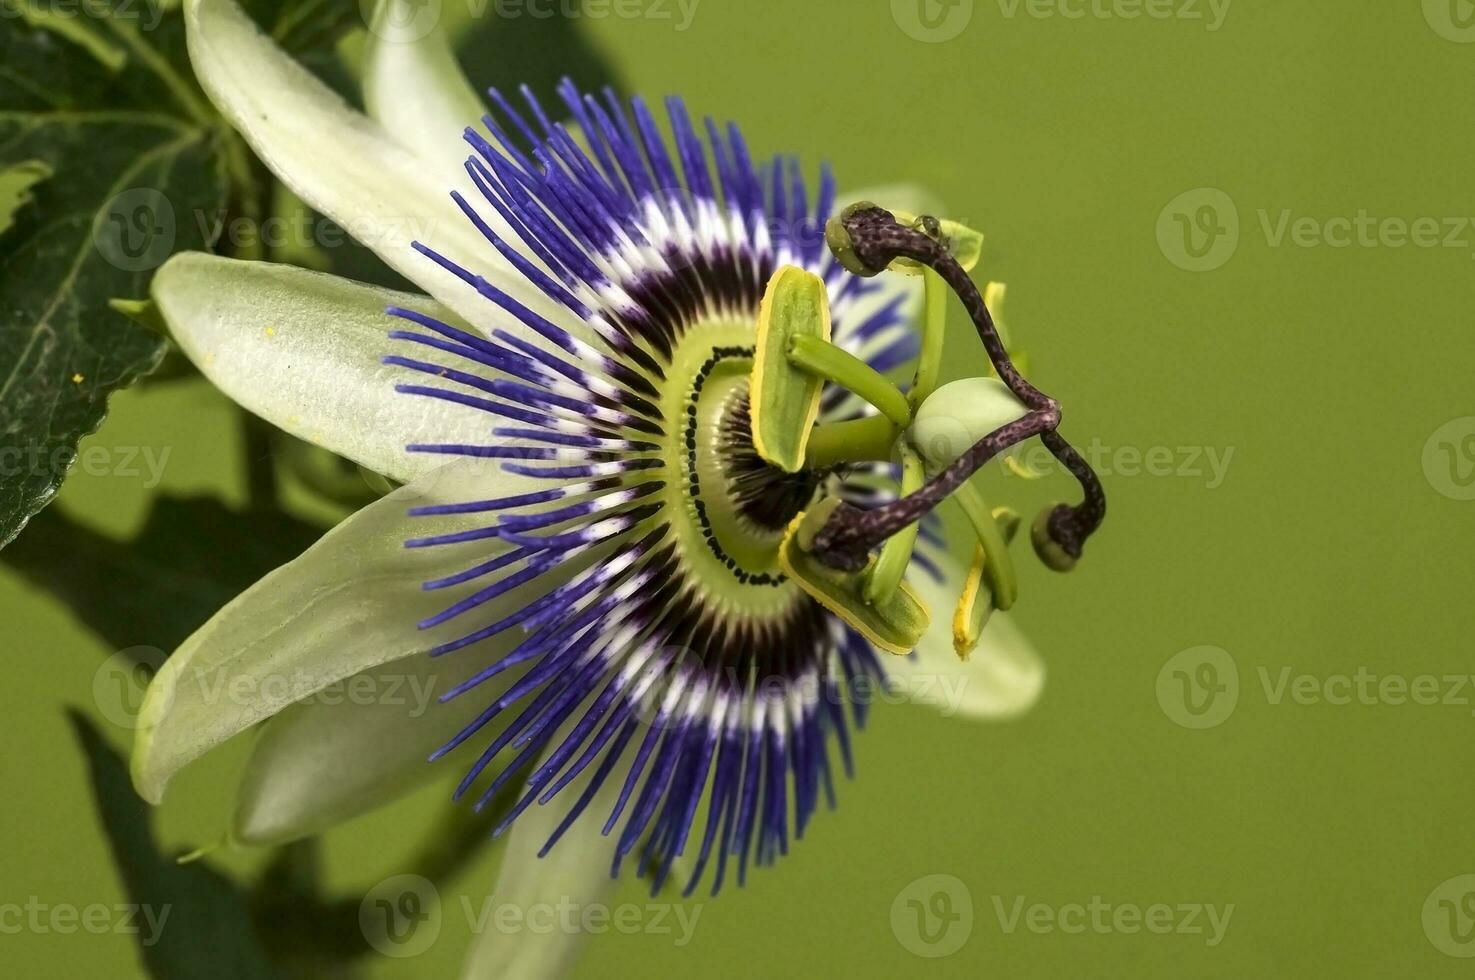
[[825, 360]]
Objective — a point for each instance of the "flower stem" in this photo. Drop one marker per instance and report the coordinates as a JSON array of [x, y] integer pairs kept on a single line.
[[896, 553], [998, 567], [934, 329]]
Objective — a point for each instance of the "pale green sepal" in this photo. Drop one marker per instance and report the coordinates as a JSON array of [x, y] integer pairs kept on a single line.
[[346, 166], [415, 88], [303, 350], [364, 743], [574, 873], [348, 604]]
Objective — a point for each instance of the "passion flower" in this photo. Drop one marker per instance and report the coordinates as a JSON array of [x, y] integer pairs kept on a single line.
[[664, 512]]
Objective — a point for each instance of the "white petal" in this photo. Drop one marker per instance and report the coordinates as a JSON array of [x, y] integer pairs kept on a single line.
[[576, 871], [349, 603], [345, 165], [415, 89], [302, 350], [1003, 677], [365, 743]]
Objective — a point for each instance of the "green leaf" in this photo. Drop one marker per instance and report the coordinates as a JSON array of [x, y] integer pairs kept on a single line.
[[198, 922], [82, 31], [312, 32], [193, 555], [309, 935], [16, 182], [135, 160], [536, 51], [303, 26]]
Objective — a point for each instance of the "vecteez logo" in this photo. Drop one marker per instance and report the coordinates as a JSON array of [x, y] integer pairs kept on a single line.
[[1449, 917], [1449, 459], [119, 683], [401, 21], [1198, 231], [1199, 687], [932, 21], [401, 916], [1453, 20], [932, 917], [135, 230]]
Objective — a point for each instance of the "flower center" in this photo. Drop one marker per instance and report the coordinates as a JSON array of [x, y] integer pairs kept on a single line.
[[765, 496], [728, 507]]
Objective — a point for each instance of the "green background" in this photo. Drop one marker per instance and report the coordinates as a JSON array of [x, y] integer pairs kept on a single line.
[[1328, 546]]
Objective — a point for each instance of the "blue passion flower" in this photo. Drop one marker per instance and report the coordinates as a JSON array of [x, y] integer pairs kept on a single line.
[[596, 558]]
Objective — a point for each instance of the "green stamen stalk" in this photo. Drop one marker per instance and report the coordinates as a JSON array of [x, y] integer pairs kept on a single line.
[[934, 328], [824, 360], [896, 553], [869, 439], [998, 568]]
